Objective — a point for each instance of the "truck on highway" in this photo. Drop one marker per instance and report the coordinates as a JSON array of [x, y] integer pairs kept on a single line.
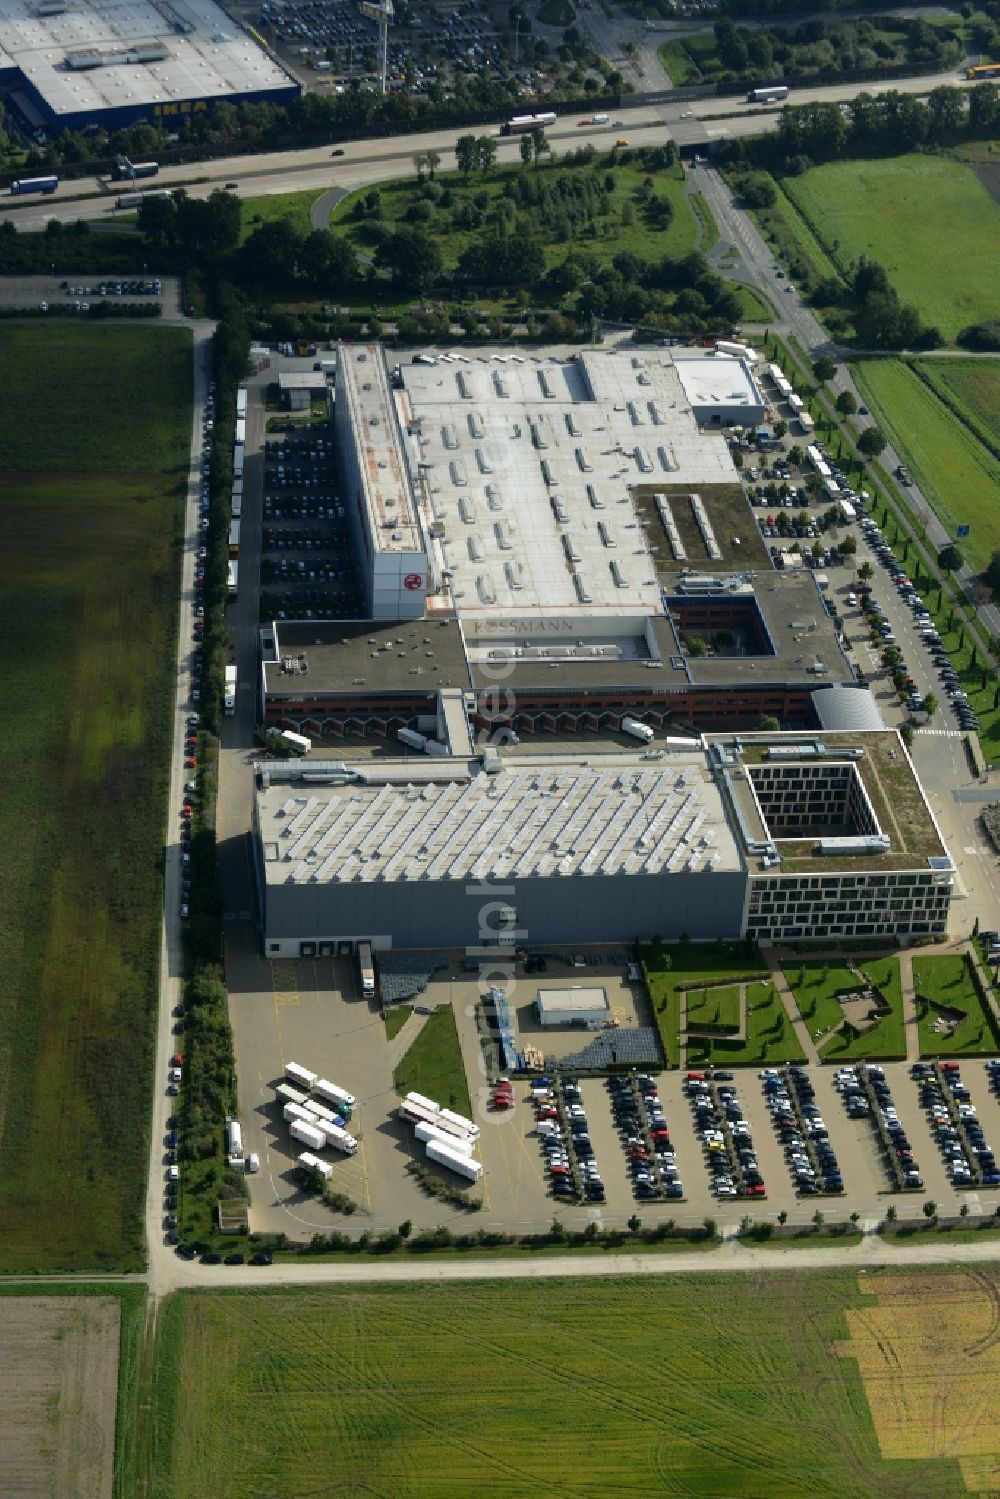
[[637, 730], [771, 94], [454, 1159], [525, 124], [367, 970], [229, 696], [130, 171], [136, 200], [307, 1134], [22, 185]]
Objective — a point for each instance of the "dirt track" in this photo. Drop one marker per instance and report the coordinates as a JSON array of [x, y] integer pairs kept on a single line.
[[58, 1391]]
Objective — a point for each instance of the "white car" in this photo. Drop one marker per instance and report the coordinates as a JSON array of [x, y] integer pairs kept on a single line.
[[174, 1075]]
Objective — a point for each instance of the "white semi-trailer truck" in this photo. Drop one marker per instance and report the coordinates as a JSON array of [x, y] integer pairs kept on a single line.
[[447, 1155], [637, 730], [307, 1134]]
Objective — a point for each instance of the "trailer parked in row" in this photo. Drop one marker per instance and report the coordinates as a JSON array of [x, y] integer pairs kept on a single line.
[[309, 1162], [308, 1134], [300, 1076], [448, 1155], [426, 1132]]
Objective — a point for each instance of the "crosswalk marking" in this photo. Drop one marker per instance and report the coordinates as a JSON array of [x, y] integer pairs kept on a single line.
[[944, 733]]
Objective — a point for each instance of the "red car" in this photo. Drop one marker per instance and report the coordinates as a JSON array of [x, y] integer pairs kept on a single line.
[[695, 1077], [177, 1060], [951, 1066], [190, 763], [185, 810], [757, 1191], [559, 1170], [548, 1112]]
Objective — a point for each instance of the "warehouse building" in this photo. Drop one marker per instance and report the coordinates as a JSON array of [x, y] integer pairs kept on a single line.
[[540, 849], [775, 837], [111, 63]]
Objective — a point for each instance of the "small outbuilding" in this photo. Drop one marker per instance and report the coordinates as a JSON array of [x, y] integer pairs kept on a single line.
[[298, 389], [580, 1004]]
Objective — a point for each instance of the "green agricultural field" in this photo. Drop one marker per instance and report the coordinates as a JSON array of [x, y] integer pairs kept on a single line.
[[749, 1386], [95, 430], [945, 990], [816, 984], [433, 1065], [921, 217], [624, 228], [971, 387], [959, 477]]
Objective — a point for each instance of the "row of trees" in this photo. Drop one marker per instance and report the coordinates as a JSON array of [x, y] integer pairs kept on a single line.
[[816, 46]]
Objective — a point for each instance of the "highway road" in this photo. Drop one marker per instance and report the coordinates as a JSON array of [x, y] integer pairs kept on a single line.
[[366, 163]]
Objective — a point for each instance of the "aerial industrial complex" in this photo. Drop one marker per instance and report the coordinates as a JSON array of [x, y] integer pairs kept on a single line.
[[111, 63], [550, 546]]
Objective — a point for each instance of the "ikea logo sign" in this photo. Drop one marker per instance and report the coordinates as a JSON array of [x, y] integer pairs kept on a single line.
[[185, 107]]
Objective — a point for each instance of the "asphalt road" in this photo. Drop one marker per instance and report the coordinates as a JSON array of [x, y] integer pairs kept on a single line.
[[372, 161]]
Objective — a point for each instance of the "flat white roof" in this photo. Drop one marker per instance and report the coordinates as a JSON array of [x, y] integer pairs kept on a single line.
[[719, 381], [301, 380], [363, 387], [396, 821], [527, 464], [591, 999], [209, 55]]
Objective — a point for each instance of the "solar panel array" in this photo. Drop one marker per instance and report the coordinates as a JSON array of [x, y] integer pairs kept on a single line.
[[534, 820]]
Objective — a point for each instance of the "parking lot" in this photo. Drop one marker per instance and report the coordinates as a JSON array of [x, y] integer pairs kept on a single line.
[[461, 43], [307, 567], [60, 295], [616, 1149]]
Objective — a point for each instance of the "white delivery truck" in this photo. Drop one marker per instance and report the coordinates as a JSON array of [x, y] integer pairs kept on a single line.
[[234, 1143], [323, 1088], [426, 1132], [285, 1093], [292, 1111], [310, 1162], [448, 1155], [308, 1134], [339, 1138], [229, 697], [637, 730], [300, 1077]]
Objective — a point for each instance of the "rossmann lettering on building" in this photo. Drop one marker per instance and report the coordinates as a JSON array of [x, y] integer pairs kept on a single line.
[[74, 70]]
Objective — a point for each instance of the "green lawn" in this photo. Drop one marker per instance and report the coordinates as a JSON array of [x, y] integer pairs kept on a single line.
[[395, 1018], [683, 56], [919, 216], [94, 431], [416, 1392], [606, 237], [754, 307], [716, 1006], [685, 965], [959, 477], [770, 1036], [815, 985], [709, 228], [433, 1065], [295, 207], [947, 980]]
